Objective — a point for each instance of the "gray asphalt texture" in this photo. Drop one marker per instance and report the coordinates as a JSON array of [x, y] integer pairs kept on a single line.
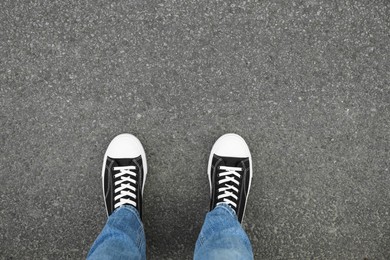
[[306, 83]]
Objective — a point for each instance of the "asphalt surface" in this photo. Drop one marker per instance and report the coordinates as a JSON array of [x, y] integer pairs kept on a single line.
[[306, 83]]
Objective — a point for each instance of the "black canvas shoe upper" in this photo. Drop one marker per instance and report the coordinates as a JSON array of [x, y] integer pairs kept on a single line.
[[123, 183], [230, 181]]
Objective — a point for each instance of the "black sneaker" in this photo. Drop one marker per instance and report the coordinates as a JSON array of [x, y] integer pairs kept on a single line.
[[230, 173], [124, 172]]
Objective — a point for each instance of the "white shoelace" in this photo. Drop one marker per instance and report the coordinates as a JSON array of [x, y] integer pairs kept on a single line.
[[225, 192], [124, 186]]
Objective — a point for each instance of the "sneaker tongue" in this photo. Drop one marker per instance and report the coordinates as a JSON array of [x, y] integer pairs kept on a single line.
[[123, 162], [231, 161]]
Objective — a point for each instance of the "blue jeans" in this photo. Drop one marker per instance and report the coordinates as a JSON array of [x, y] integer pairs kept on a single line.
[[221, 237]]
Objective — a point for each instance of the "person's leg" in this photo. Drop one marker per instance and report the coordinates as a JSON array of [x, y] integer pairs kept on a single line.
[[122, 237], [123, 177], [222, 236], [230, 176]]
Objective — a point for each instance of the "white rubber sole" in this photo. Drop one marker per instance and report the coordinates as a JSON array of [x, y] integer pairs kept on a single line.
[[132, 141], [217, 145]]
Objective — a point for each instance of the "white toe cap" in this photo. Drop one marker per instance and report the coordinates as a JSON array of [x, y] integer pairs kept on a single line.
[[231, 145], [125, 146]]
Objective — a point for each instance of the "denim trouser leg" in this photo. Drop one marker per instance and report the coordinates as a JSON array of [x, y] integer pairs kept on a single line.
[[122, 237], [222, 237]]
